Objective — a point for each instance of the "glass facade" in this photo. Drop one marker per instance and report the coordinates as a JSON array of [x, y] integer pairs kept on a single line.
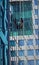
[[21, 18], [25, 48]]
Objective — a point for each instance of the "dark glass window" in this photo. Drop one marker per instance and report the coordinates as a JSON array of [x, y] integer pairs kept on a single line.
[[12, 43], [21, 43], [13, 53], [36, 11], [13, 62], [21, 18]]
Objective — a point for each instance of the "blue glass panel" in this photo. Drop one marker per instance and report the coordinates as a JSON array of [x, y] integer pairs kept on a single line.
[[30, 42], [13, 53], [37, 62], [36, 21], [12, 43], [13, 62], [36, 11], [30, 62], [30, 52], [37, 41], [21, 62], [37, 51], [20, 42], [21, 52], [36, 2], [37, 31]]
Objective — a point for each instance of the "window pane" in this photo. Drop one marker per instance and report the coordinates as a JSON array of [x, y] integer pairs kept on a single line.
[[36, 21], [37, 41], [21, 62], [30, 52], [30, 62], [21, 18], [21, 43], [21, 53], [37, 51], [13, 62], [36, 11], [12, 43], [37, 62], [37, 31], [36, 2], [13, 53], [30, 42]]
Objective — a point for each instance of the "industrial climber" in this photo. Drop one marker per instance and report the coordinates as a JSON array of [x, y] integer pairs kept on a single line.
[[19, 25]]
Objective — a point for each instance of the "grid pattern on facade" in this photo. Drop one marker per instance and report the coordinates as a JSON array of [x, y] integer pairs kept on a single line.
[[25, 49]]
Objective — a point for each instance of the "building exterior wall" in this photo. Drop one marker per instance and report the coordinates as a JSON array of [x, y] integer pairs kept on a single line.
[[24, 49]]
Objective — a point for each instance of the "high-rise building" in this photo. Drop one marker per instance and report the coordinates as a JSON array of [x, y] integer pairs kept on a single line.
[[3, 31], [24, 32]]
